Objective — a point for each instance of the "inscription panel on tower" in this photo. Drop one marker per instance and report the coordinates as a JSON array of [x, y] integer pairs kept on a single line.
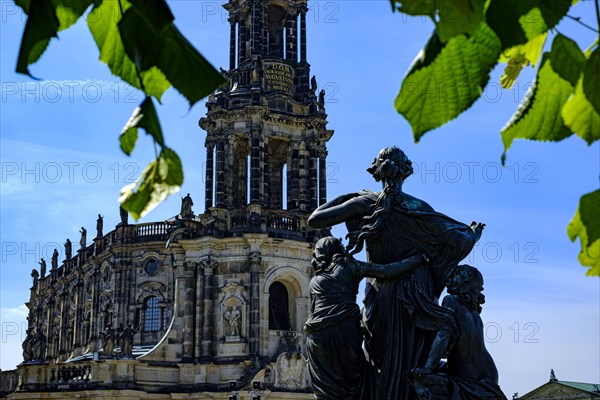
[[279, 77]]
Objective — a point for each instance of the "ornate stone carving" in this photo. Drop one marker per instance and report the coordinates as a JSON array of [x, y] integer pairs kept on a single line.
[[233, 312], [151, 289], [291, 372]]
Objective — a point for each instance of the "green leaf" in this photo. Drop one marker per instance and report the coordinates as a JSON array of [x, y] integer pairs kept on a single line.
[[45, 19], [152, 39], [591, 80], [519, 57], [586, 225], [129, 135], [539, 114], [415, 7], [24, 4], [170, 168], [161, 178], [69, 11], [145, 117], [102, 22], [459, 16], [518, 21], [437, 91], [41, 26], [580, 116], [567, 59], [451, 17]]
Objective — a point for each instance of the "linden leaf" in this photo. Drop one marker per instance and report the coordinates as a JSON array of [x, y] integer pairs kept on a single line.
[[161, 178], [145, 117], [102, 22], [151, 38], [519, 21], [538, 117], [586, 225], [445, 80], [45, 19], [519, 57], [580, 116]]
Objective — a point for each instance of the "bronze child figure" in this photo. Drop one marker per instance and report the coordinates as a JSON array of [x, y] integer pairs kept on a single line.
[[470, 372], [334, 337]]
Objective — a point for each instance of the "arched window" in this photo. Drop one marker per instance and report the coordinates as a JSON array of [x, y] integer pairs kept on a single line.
[[279, 307], [152, 315]]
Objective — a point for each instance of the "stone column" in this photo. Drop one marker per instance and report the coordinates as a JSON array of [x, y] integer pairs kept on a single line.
[[303, 37], [62, 295], [199, 310], [313, 184], [209, 182], [230, 177], [291, 39], [241, 183], [95, 314], [322, 178], [220, 175], [232, 22], [189, 307], [207, 327], [241, 41], [78, 323], [304, 177], [254, 317], [256, 43], [265, 170], [49, 333], [265, 27], [293, 177], [255, 158]]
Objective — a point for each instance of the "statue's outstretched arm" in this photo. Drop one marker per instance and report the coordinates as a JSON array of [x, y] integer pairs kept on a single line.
[[393, 270], [336, 211]]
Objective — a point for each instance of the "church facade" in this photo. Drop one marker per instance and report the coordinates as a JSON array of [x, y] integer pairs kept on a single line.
[[209, 305]]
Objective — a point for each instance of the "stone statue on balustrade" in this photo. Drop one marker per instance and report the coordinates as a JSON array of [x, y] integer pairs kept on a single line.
[[43, 268], [321, 102], [124, 216], [108, 341], [68, 250], [82, 240], [99, 226], [470, 372], [337, 364], [34, 346], [126, 340], [54, 259], [402, 315], [186, 207], [35, 275]]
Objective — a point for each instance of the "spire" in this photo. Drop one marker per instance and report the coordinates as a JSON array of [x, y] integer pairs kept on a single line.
[[266, 130]]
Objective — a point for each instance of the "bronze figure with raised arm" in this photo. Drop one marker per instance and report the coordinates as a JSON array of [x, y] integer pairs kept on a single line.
[[401, 316], [336, 361]]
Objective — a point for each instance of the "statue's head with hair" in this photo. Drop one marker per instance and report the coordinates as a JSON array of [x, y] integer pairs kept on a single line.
[[467, 285], [327, 250], [391, 164]]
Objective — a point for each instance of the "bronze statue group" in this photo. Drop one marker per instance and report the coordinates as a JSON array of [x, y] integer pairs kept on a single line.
[[413, 253]]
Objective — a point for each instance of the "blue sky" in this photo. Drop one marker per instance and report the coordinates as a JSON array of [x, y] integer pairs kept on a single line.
[[61, 166]]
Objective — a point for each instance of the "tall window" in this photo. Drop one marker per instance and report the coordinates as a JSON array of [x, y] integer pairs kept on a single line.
[[152, 315], [279, 308]]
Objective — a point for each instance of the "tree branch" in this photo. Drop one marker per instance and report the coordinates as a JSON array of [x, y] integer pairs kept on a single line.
[[578, 20]]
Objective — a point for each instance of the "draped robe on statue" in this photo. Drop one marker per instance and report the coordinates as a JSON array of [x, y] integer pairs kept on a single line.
[[402, 315], [333, 334]]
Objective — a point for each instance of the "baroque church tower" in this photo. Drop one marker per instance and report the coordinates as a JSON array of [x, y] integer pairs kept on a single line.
[[210, 303]]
